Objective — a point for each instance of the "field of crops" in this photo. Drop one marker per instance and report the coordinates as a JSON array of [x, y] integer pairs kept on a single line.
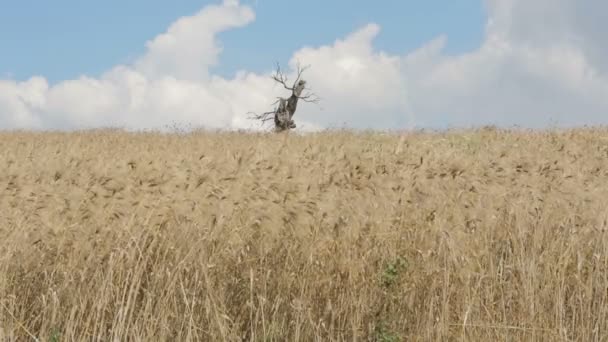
[[483, 235]]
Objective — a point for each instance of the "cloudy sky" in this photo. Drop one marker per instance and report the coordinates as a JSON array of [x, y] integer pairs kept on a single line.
[[141, 64]]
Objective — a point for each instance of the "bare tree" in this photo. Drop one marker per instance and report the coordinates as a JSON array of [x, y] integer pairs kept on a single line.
[[283, 114]]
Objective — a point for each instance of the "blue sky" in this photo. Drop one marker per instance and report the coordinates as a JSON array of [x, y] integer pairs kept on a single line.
[[63, 39], [405, 64]]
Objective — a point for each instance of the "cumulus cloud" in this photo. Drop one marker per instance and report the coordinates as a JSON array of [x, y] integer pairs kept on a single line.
[[540, 63], [189, 46], [359, 86], [169, 84]]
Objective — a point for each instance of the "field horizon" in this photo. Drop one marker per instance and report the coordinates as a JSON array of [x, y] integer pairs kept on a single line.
[[465, 234]]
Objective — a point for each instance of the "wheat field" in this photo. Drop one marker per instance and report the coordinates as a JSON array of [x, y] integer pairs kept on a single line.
[[473, 235]]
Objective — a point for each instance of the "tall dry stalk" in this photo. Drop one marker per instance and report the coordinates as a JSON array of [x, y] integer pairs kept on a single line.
[[475, 235]]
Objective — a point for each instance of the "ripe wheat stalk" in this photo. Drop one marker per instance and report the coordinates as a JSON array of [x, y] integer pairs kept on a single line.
[[334, 236]]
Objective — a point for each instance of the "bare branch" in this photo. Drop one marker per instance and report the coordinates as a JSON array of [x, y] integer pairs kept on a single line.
[[300, 71], [279, 77], [310, 98], [267, 116]]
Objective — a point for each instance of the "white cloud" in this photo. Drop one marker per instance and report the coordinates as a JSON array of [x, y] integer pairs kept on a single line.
[[169, 84], [534, 68], [541, 62], [359, 86], [189, 46]]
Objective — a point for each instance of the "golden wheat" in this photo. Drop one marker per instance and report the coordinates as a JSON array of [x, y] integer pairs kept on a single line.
[[474, 235]]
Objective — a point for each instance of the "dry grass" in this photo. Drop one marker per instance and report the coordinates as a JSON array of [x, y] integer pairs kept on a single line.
[[479, 235]]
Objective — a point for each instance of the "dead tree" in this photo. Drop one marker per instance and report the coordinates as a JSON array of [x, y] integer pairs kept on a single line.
[[283, 114]]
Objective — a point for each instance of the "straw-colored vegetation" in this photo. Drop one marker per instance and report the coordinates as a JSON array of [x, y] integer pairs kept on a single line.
[[481, 235]]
